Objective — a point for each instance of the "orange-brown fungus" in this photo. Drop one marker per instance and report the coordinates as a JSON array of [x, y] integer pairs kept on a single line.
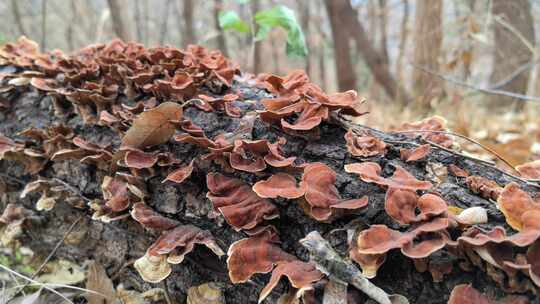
[[149, 218], [530, 170], [434, 123], [370, 172], [484, 187], [241, 207], [364, 145], [416, 154], [321, 194], [402, 206], [300, 274], [300, 105], [180, 241], [280, 184], [514, 203], [256, 254]]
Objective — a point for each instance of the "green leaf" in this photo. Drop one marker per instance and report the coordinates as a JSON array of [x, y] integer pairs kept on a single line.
[[229, 20], [282, 16]]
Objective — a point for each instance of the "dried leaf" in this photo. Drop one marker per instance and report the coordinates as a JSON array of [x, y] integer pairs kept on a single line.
[[153, 127], [98, 281]]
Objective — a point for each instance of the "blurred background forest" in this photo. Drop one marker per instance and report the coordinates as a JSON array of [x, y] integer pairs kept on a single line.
[[475, 62]]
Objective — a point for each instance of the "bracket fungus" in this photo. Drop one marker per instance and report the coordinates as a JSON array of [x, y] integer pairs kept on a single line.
[[371, 245], [415, 154], [321, 194], [364, 145], [149, 218], [181, 174], [170, 248], [484, 187], [302, 106], [370, 172], [280, 184], [301, 275], [406, 207], [435, 123], [466, 294], [499, 249], [515, 203], [256, 254], [529, 170], [241, 207]]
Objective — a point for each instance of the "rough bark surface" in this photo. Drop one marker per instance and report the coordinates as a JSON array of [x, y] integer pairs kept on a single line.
[[115, 245]]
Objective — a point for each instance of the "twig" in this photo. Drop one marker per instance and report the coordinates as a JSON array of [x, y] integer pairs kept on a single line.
[[474, 87], [328, 261], [464, 137], [72, 189], [51, 254], [514, 75], [31, 281], [347, 124], [167, 295], [13, 179]]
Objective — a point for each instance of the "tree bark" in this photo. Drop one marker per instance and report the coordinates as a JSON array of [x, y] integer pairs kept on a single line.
[[374, 60], [119, 20], [189, 28], [221, 40], [427, 48], [345, 73], [511, 50]]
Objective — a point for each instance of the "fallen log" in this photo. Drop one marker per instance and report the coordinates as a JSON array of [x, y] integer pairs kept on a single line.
[[66, 125]]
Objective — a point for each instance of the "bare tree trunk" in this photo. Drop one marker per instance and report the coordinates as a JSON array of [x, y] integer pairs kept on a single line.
[[344, 68], [427, 44], [373, 59], [222, 43], [382, 24], [189, 31], [402, 42], [304, 7], [138, 20], [165, 22], [257, 45], [43, 44], [71, 25], [119, 20], [146, 22], [18, 18], [511, 51]]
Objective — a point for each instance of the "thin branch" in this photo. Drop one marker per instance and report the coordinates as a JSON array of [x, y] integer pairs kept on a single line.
[[347, 124], [72, 189], [514, 75], [474, 87], [51, 254], [464, 137]]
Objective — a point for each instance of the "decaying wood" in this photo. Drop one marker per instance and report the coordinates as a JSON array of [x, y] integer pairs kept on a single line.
[[114, 244]]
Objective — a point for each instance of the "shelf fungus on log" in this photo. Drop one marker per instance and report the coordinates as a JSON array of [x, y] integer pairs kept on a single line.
[[170, 248]]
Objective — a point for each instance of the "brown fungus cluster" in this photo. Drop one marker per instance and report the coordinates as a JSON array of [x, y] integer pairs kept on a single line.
[[300, 105]]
